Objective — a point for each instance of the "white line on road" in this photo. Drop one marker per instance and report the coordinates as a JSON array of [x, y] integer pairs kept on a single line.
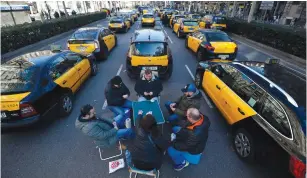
[[120, 69], [203, 93], [274, 57], [168, 36], [105, 104]]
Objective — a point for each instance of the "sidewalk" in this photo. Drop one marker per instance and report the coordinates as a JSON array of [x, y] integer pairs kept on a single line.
[[290, 60], [36, 46]]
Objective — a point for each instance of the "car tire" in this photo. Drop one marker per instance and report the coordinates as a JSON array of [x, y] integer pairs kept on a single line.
[[105, 53], [178, 34], [244, 145], [66, 104], [94, 68], [130, 75], [115, 42], [200, 55], [186, 43], [199, 79]]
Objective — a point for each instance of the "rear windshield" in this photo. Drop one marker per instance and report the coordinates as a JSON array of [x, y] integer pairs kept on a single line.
[[196, 16], [178, 17], [219, 20], [148, 49], [86, 34], [190, 23], [18, 76], [116, 21], [148, 16], [216, 37]]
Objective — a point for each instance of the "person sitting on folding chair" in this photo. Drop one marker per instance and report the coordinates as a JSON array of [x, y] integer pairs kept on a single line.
[[104, 131], [149, 145], [148, 86]]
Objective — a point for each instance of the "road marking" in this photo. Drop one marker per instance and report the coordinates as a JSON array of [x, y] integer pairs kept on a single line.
[[120, 69], [168, 36], [203, 93], [105, 104], [274, 57]]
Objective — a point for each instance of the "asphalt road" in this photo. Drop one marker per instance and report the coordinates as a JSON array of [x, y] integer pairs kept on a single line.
[[55, 148]]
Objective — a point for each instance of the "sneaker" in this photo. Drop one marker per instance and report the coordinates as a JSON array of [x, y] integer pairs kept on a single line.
[[179, 167]]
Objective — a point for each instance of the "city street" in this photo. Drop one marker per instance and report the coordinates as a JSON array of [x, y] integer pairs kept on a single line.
[[55, 148]]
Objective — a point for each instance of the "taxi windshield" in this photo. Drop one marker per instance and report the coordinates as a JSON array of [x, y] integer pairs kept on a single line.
[[148, 49], [18, 76], [190, 23], [218, 37], [116, 21], [85, 34], [148, 16]]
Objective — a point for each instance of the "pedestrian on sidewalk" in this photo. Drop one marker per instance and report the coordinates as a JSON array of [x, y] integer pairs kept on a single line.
[[104, 131], [148, 86], [190, 99], [148, 146], [117, 94], [189, 140]]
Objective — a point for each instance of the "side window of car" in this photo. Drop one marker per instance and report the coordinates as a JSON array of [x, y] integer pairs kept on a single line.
[[58, 67], [274, 114], [195, 34], [73, 58], [106, 32]]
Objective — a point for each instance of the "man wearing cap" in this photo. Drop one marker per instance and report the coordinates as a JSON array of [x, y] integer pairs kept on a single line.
[[190, 99], [148, 87], [117, 95], [104, 131]]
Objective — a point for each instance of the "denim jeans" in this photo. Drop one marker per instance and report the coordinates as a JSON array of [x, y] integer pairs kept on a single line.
[[179, 157], [125, 134], [172, 116], [141, 98], [120, 110], [120, 121]]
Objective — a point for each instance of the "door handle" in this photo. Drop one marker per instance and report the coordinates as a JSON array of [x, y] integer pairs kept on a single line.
[[218, 87], [79, 69], [240, 111], [64, 82]]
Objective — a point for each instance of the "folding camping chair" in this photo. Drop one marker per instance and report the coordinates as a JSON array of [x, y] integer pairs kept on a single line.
[[115, 156]]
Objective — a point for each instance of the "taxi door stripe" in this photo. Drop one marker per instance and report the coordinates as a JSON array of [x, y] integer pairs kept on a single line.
[[80, 78]]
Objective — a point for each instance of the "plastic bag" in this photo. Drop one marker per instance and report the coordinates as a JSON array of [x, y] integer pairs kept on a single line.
[[116, 165]]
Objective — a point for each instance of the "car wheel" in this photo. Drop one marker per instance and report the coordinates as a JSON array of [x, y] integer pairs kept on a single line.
[[105, 53], [198, 79], [94, 68], [244, 145], [200, 55], [115, 42], [186, 44], [66, 104]]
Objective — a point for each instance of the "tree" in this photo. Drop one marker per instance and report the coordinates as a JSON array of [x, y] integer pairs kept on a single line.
[[48, 9], [56, 15], [64, 6]]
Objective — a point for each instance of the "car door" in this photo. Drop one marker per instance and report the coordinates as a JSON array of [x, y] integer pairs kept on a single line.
[[234, 107], [176, 26], [195, 41], [105, 40], [82, 65], [111, 37], [64, 74]]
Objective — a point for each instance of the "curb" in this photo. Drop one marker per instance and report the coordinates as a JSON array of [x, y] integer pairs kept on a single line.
[[36, 46], [280, 54]]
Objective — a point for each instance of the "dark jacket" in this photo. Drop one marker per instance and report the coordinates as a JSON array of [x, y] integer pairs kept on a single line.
[[147, 155], [101, 130], [184, 103], [154, 85], [192, 141], [114, 95]]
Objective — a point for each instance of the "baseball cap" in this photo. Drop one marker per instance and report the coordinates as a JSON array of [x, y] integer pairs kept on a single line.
[[189, 88], [116, 80]]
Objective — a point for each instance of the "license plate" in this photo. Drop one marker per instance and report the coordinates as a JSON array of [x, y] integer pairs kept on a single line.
[[3, 115], [191, 28], [82, 48], [150, 68], [223, 56]]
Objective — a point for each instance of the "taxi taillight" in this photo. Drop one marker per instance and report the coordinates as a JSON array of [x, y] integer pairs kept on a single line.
[[27, 110], [68, 46], [297, 167], [209, 47], [96, 43]]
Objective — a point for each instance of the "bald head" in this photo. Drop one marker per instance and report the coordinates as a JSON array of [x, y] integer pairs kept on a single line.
[[193, 114]]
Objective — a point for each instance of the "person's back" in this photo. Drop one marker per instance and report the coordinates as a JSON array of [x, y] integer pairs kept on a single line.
[[148, 146]]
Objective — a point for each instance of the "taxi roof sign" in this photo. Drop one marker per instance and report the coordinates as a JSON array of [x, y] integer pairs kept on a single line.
[[55, 48]]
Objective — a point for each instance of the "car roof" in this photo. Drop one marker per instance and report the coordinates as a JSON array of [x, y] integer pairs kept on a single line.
[[211, 31], [89, 29], [188, 20], [148, 35], [148, 14], [38, 58]]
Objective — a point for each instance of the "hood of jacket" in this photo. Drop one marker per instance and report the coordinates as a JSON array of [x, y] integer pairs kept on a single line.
[[195, 95]]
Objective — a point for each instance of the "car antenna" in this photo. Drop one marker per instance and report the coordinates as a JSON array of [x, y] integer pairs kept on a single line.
[[149, 36]]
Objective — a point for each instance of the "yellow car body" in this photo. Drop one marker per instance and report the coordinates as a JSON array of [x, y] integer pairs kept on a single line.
[[119, 24], [185, 26], [92, 40], [148, 19]]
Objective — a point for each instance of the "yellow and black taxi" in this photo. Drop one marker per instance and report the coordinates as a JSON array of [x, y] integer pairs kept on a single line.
[[119, 23], [130, 17], [185, 26], [148, 20], [213, 21], [35, 83], [135, 15], [149, 50], [195, 16], [211, 44], [174, 19], [167, 13], [265, 105], [93, 40]]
